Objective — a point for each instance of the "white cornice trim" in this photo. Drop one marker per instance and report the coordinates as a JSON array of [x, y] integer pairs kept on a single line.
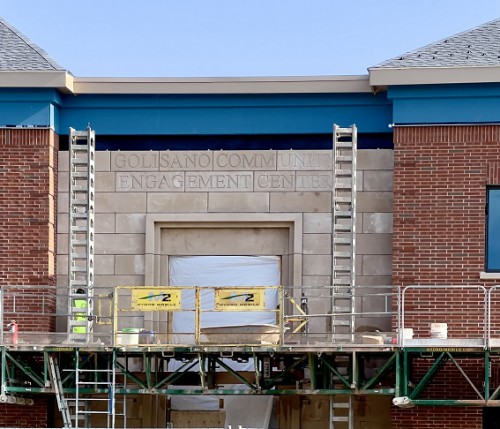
[[433, 75], [257, 85], [61, 80]]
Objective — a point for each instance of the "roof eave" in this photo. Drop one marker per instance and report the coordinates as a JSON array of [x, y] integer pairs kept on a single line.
[[384, 76], [61, 80], [244, 85]]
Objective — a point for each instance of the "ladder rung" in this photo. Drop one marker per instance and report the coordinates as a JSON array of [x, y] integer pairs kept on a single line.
[[340, 418], [79, 147], [342, 213], [341, 405], [340, 200], [346, 131], [343, 158], [342, 228], [79, 161], [343, 144], [338, 309], [343, 172], [342, 254], [341, 322], [341, 240]]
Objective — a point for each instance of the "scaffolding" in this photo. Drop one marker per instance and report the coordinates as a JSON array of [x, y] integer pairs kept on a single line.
[[318, 345]]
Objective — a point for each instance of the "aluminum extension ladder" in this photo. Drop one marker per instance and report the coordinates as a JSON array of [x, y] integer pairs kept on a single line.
[[62, 403], [95, 387], [81, 234], [343, 262]]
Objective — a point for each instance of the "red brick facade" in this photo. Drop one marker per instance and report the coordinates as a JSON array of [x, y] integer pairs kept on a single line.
[[440, 179], [28, 175]]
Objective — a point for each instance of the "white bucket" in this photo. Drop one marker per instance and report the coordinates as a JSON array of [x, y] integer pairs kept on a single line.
[[129, 336], [408, 333], [439, 330]]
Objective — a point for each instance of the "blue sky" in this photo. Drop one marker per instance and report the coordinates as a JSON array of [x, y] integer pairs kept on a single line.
[[189, 38]]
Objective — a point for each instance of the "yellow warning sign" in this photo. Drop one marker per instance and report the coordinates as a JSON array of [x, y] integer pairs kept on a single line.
[[157, 299], [239, 299]]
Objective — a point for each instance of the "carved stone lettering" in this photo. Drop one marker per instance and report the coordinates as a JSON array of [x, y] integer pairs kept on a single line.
[[313, 181], [150, 182], [134, 161], [247, 160], [274, 181], [219, 182], [185, 161], [305, 160]]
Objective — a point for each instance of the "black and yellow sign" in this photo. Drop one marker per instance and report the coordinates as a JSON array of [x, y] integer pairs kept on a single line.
[[157, 299], [239, 299]]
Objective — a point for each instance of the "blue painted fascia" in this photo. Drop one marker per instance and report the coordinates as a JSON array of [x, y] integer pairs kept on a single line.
[[29, 107], [446, 104], [224, 114]]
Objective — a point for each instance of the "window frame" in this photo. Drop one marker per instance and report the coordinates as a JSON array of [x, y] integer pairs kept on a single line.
[[488, 216]]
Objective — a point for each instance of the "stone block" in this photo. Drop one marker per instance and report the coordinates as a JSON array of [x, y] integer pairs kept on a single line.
[[376, 265], [105, 181], [373, 202], [186, 160], [112, 281], [316, 281], [221, 181], [129, 265], [245, 160], [63, 160], [102, 160], [317, 265], [315, 202], [149, 181], [375, 159], [131, 223], [274, 181], [225, 241], [304, 160], [317, 223], [107, 202], [62, 244], [313, 181], [62, 202], [238, 202], [377, 223], [104, 264], [119, 244], [177, 203], [378, 181], [135, 161], [105, 223], [317, 244], [374, 244], [63, 181]]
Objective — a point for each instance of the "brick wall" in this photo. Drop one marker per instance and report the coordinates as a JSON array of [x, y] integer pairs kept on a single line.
[[27, 241], [25, 416], [440, 178]]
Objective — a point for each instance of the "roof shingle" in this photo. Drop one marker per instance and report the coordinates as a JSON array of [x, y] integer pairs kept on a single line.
[[18, 53], [479, 46]]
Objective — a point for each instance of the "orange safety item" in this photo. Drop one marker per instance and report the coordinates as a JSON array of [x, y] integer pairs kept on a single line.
[[14, 329]]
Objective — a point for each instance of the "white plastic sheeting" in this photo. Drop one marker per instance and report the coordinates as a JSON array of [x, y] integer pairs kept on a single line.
[[223, 271]]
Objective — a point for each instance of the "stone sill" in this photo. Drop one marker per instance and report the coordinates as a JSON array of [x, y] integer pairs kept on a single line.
[[489, 276]]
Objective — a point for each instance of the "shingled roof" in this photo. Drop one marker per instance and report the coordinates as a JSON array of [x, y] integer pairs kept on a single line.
[[18, 53], [479, 46]]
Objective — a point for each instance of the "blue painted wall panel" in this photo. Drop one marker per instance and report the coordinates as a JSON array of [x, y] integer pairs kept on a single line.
[[224, 120], [36, 114], [446, 104]]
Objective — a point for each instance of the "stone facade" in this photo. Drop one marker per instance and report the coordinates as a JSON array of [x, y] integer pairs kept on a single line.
[[228, 203]]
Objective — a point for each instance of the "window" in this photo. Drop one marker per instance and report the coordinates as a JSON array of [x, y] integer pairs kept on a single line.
[[493, 229]]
